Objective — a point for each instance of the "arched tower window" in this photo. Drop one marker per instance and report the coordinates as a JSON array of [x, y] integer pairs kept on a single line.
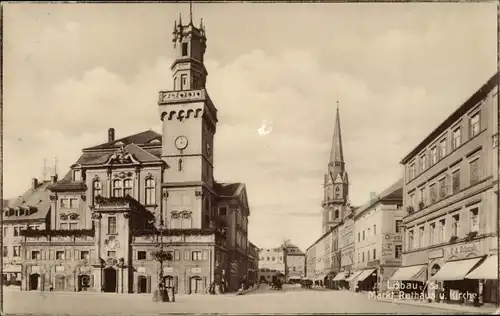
[[96, 189], [337, 193], [337, 213], [180, 164], [150, 192]]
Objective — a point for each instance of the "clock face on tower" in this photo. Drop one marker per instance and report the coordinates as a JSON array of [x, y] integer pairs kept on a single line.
[[181, 142]]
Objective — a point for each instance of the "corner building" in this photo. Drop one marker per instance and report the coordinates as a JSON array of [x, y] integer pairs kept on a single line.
[[451, 203], [124, 198]]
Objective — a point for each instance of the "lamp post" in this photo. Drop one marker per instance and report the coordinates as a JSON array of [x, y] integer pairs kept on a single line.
[[161, 294]]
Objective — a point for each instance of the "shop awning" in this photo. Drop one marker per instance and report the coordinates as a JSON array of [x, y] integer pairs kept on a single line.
[[455, 270], [487, 270], [412, 273], [354, 275], [364, 274], [339, 277], [15, 268]]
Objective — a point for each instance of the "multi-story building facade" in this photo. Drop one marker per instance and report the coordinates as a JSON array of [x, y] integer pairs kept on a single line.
[[323, 258], [378, 239], [451, 198], [347, 248], [146, 205], [30, 210], [272, 264], [295, 260], [253, 263]]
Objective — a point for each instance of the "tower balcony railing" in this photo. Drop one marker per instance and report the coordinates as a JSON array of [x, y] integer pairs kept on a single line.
[[170, 96]]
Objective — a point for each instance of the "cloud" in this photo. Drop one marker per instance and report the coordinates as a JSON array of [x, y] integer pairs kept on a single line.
[[394, 85]]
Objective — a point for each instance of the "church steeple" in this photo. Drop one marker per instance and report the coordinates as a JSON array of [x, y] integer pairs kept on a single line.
[[337, 154], [336, 185]]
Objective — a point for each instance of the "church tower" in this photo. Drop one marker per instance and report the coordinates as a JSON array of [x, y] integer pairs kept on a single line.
[[336, 185], [189, 121]]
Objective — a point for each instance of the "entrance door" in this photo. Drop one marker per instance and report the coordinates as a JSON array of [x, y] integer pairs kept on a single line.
[[196, 285], [34, 282], [59, 284], [83, 282], [142, 284], [109, 280]]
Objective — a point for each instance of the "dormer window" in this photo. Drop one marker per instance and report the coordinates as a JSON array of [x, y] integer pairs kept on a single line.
[[77, 175]]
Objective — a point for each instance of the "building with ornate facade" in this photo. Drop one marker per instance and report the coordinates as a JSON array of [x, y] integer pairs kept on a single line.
[[378, 239], [134, 209], [31, 209], [451, 202]]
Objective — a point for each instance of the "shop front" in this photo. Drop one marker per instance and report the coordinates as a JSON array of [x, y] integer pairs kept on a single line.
[[367, 280], [339, 281], [486, 276], [351, 280], [409, 280]]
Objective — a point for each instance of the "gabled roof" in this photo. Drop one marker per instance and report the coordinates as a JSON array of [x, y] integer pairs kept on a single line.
[[37, 199], [68, 184], [143, 138], [394, 192]]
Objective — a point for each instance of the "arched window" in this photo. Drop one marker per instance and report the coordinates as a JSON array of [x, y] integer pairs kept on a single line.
[[337, 193], [150, 191], [127, 187], [336, 213], [117, 188], [96, 189]]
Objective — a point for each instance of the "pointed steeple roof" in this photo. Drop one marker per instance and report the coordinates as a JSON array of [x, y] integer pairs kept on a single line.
[[337, 154]]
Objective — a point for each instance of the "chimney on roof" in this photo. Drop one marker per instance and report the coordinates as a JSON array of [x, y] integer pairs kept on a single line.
[[111, 135], [34, 183], [53, 179]]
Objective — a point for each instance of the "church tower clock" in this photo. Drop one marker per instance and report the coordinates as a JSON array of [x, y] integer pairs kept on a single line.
[[189, 121]]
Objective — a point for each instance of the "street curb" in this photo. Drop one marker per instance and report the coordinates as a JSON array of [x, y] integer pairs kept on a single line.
[[436, 307]]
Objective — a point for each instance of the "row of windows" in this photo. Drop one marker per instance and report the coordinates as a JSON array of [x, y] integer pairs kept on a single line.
[[59, 255], [17, 229], [193, 255], [121, 188], [439, 151], [446, 185], [273, 258], [372, 255], [69, 203], [16, 251], [368, 233], [437, 232]]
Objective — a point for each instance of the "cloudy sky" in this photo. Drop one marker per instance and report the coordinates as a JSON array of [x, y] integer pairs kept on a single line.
[[71, 71]]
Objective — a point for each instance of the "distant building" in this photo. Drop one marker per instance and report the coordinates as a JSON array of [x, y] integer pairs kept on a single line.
[[451, 202], [30, 210], [295, 261], [253, 263], [378, 239]]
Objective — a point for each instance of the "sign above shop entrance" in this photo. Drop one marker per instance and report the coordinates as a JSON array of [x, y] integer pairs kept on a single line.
[[464, 249]]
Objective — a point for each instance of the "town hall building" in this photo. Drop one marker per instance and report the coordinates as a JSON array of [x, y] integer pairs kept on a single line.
[[126, 198]]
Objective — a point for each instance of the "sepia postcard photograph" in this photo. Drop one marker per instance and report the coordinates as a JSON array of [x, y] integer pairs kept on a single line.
[[197, 157]]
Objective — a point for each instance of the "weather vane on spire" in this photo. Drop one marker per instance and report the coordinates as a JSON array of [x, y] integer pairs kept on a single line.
[[337, 100], [191, 11]]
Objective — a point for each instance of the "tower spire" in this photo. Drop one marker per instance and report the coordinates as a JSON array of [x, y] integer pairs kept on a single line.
[[337, 153]]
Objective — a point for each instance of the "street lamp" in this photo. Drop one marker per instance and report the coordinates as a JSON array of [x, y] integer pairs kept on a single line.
[[160, 255]]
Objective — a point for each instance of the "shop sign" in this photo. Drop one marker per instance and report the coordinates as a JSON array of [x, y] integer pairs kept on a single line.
[[392, 261], [195, 270], [374, 263], [463, 249], [437, 253], [393, 237]]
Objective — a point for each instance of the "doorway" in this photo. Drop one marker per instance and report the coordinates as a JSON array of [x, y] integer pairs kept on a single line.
[[109, 280], [59, 283], [142, 284], [34, 278], [196, 286], [83, 282]]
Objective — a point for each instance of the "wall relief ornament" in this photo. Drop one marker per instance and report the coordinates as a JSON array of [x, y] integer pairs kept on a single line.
[[111, 243], [198, 193], [111, 262], [123, 175], [96, 215], [183, 214], [63, 216], [121, 157]]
